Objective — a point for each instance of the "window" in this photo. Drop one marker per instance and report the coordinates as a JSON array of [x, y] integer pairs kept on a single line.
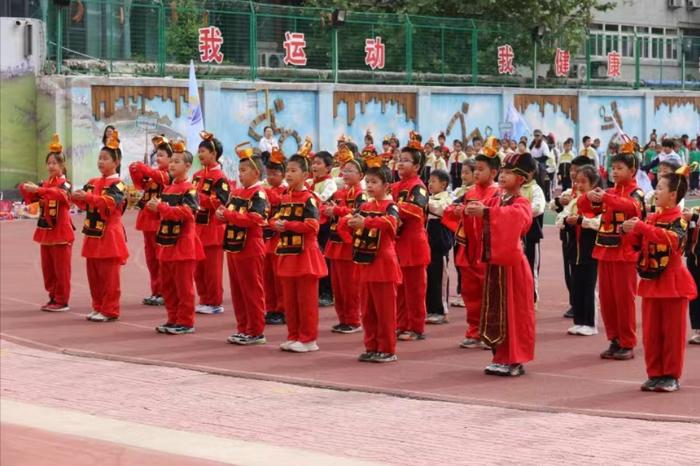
[[612, 27], [645, 47], [672, 49], [627, 46], [610, 44], [656, 47]]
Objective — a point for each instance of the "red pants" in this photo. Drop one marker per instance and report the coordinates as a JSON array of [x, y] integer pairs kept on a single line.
[[664, 327], [617, 286], [273, 287], [346, 291], [105, 285], [301, 307], [411, 300], [208, 276], [177, 279], [472, 292], [379, 316], [150, 248], [247, 292], [56, 267]]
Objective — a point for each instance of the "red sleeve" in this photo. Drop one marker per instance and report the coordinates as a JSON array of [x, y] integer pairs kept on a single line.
[[341, 211], [309, 225], [385, 223], [625, 204], [55, 193], [135, 170], [158, 176], [179, 213], [28, 197], [670, 237], [585, 204], [504, 226]]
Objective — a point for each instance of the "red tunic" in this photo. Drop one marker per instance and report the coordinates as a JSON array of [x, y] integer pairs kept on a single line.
[[213, 189], [620, 203], [246, 214], [507, 318], [373, 247], [54, 225], [176, 237], [103, 229], [412, 242], [347, 201], [469, 231], [298, 251], [662, 238], [151, 181]]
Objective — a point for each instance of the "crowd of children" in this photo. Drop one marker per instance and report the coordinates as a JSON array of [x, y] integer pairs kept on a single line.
[[372, 233]]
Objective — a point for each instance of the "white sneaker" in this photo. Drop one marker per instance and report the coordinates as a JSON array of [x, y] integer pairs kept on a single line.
[[574, 330], [458, 302], [285, 346], [99, 317], [91, 315], [207, 309], [299, 347], [587, 331], [695, 338]]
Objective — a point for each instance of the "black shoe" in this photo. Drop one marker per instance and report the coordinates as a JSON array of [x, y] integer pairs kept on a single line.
[[384, 357], [515, 370], [325, 301], [650, 384], [180, 330], [163, 328], [623, 354], [612, 349], [274, 318], [366, 356], [336, 328], [347, 328], [570, 313], [667, 384]]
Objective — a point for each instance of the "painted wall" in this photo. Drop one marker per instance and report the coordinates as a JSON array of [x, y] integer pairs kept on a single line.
[[236, 112]]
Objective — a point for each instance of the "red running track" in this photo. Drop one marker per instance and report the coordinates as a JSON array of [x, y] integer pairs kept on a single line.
[[567, 374]]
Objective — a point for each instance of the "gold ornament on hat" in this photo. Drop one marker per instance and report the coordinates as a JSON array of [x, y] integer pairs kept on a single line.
[[178, 146], [490, 147], [113, 140], [55, 146], [305, 149]]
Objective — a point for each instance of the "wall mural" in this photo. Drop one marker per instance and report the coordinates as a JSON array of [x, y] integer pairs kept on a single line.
[[676, 116], [599, 114], [556, 114], [463, 116]]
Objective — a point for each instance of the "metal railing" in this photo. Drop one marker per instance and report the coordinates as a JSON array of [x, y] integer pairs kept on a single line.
[[159, 37]]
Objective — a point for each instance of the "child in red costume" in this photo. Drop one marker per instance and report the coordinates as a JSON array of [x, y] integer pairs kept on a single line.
[[666, 284], [344, 278], [104, 246], [468, 237], [412, 248], [54, 231], [179, 247], [507, 322], [151, 181], [617, 277], [324, 186], [373, 230], [300, 263], [213, 190], [245, 215], [275, 186]]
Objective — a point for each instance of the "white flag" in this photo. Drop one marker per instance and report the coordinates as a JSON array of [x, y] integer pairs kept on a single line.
[[520, 127], [195, 119], [642, 177]]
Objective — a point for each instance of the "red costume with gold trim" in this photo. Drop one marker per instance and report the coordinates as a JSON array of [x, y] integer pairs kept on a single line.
[[666, 286], [344, 279], [413, 251], [379, 273], [54, 232], [246, 214], [508, 311], [469, 236], [213, 190], [300, 263], [104, 245], [179, 249], [617, 277], [151, 181]]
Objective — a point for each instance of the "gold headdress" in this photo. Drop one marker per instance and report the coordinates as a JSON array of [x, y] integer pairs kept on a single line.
[[55, 146], [113, 141]]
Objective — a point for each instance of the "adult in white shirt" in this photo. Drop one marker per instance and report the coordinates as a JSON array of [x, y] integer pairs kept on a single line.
[[268, 142]]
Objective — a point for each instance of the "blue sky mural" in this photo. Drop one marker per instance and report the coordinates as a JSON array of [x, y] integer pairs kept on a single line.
[[482, 112]]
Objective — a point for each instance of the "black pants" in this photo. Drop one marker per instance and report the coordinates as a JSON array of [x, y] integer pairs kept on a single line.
[[324, 284], [694, 268], [583, 281], [565, 184], [532, 252], [438, 283], [568, 270], [459, 271], [694, 179]]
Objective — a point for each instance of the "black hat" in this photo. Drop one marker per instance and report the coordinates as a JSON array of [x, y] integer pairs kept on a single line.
[[521, 164]]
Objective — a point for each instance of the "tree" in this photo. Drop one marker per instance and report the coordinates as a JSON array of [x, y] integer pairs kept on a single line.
[[182, 32], [498, 21]]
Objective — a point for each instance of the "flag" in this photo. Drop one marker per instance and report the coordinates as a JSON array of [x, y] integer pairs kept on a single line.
[[195, 120], [520, 127], [643, 181]]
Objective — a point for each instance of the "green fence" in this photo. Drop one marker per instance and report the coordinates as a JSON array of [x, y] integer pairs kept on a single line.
[[159, 37]]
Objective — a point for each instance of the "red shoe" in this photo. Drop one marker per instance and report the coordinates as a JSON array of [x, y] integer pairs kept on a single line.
[[45, 306], [55, 307]]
